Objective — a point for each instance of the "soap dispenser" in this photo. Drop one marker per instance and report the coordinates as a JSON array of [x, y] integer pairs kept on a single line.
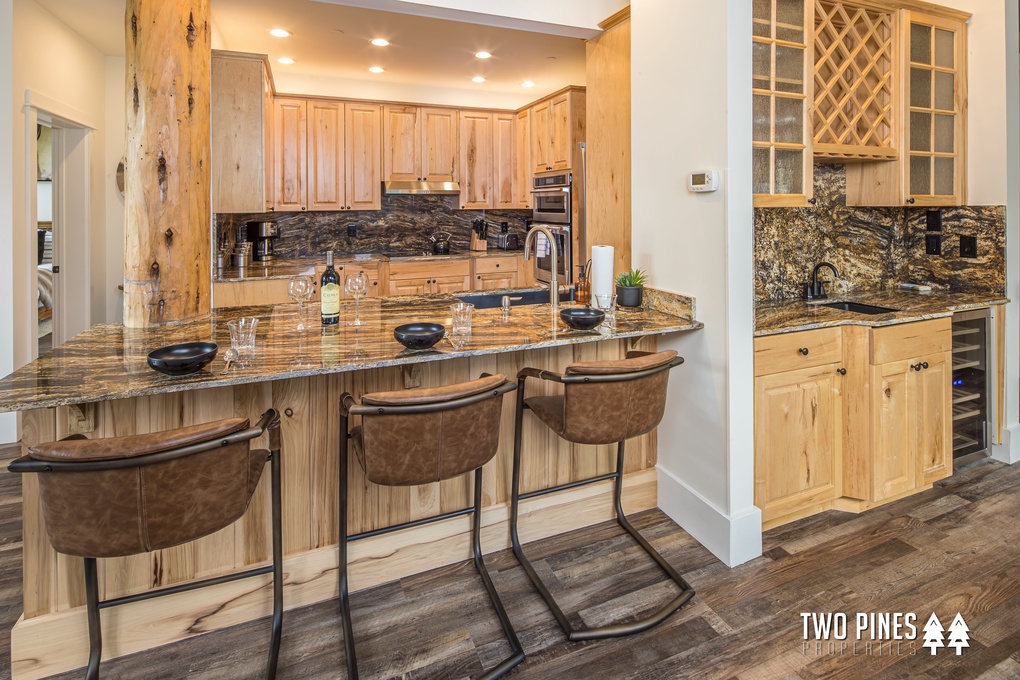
[[582, 290]]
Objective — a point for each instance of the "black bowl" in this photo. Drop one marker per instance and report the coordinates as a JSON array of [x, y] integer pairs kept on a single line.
[[188, 357], [419, 335], [582, 318]]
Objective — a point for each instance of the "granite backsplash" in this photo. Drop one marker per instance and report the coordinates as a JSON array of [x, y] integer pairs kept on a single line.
[[402, 227], [872, 247]]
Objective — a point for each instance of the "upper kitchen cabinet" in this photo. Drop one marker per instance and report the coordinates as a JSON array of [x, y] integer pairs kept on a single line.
[[420, 144], [930, 133], [504, 169], [241, 114], [327, 155], [557, 126], [782, 102], [522, 130], [476, 169]]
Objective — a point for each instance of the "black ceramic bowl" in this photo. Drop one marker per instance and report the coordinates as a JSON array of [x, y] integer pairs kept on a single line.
[[188, 357], [419, 335], [582, 318]]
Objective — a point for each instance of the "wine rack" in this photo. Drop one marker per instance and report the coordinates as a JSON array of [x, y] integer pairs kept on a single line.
[[971, 410]]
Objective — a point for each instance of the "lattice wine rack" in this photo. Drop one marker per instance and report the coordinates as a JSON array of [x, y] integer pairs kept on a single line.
[[854, 61]]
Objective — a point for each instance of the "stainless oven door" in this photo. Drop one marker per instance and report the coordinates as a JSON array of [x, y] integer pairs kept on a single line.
[[552, 205], [543, 256]]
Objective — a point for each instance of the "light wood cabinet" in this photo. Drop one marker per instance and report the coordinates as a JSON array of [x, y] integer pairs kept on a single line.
[[504, 171], [290, 159], [495, 273], [783, 82], [240, 133], [523, 162], [363, 158], [325, 151], [476, 169], [230, 294], [559, 132], [420, 143], [930, 167], [557, 125], [421, 277], [541, 155]]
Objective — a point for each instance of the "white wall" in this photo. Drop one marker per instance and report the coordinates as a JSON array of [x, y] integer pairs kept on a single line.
[[8, 421], [115, 125], [700, 244]]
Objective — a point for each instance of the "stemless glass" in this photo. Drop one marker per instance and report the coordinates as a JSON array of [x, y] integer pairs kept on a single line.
[[300, 290], [356, 287]]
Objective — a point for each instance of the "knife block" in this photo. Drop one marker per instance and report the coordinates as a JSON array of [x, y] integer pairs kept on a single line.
[[478, 243]]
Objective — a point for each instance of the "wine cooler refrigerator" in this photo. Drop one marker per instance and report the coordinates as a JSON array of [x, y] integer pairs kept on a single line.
[[973, 382]]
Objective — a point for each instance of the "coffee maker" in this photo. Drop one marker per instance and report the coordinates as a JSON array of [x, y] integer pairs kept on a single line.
[[262, 235]]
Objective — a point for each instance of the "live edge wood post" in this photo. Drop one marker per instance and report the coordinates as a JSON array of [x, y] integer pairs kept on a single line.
[[166, 180]]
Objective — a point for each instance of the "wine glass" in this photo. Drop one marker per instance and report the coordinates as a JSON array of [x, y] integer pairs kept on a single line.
[[356, 287], [300, 291]]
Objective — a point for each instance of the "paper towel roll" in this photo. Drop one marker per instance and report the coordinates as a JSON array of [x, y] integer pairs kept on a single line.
[[602, 259]]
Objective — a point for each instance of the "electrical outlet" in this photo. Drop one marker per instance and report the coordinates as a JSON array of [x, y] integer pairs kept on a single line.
[[933, 244], [968, 246], [933, 220], [352, 231]]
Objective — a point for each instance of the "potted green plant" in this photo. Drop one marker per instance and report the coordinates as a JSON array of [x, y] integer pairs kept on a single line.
[[629, 287]]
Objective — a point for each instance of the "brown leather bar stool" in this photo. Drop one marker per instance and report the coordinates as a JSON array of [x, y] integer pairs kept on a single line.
[[422, 436], [602, 402], [136, 494]]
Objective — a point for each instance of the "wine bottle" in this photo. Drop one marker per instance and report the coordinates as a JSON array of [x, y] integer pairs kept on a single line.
[[329, 293]]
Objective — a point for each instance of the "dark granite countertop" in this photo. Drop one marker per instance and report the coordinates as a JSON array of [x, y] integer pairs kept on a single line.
[[800, 315], [284, 269], [109, 361]]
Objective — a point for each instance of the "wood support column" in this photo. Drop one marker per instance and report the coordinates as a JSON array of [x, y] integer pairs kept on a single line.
[[166, 180]]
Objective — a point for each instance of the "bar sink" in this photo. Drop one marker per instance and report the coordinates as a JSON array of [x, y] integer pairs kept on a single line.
[[524, 297], [858, 308]]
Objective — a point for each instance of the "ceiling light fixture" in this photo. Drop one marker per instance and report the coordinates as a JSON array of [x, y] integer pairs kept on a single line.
[[279, 33], [285, 60], [527, 83], [380, 42], [376, 69], [478, 79], [482, 55]]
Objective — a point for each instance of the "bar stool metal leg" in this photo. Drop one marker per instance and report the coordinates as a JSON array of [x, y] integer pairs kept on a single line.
[[574, 634], [274, 647], [95, 628], [345, 604]]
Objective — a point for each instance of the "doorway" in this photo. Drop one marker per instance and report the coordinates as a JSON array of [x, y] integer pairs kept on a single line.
[[44, 236]]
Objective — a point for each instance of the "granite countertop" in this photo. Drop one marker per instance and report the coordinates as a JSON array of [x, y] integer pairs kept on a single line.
[[800, 315], [284, 269], [109, 361]]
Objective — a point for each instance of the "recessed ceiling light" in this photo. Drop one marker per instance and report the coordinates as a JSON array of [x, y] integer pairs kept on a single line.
[[279, 33], [527, 83], [285, 60], [380, 42], [478, 79], [376, 69], [482, 55]]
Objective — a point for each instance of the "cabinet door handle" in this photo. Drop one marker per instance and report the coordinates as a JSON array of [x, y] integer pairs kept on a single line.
[[841, 371], [497, 265], [803, 350], [916, 367], [348, 207], [910, 201], [924, 365]]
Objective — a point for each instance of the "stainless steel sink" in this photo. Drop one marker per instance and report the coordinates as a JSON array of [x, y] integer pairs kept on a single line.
[[858, 308], [517, 298]]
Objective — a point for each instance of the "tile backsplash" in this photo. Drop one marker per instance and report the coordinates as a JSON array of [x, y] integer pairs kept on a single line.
[[872, 247], [401, 227]]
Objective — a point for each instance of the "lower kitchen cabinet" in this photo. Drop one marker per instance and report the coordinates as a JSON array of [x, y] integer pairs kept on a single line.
[[850, 418], [495, 273], [421, 277]]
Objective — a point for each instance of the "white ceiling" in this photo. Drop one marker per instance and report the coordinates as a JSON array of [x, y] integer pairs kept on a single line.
[[423, 53]]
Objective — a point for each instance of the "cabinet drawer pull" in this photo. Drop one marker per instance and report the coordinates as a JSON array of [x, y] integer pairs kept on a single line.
[[924, 364], [916, 367], [803, 350], [841, 371]]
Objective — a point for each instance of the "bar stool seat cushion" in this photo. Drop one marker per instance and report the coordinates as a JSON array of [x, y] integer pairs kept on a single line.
[[113, 513], [421, 448], [607, 412]]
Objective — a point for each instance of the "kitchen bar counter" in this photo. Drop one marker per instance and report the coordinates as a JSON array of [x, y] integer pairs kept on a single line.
[[802, 315]]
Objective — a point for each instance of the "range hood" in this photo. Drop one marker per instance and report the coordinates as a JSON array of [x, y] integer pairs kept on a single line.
[[413, 187]]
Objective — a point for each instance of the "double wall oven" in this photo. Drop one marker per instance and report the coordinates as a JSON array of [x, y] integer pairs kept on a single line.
[[552, 200]]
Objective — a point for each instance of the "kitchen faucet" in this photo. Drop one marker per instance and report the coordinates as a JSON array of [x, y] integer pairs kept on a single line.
[[554, 284], [815, 289]]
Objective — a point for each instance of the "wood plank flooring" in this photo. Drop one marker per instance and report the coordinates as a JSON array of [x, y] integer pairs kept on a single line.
[[953, 549]]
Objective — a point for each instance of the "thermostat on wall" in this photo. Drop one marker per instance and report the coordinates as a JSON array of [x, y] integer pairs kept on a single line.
[[706, 180]]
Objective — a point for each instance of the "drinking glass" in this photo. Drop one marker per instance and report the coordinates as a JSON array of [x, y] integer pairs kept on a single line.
[[242, 336], [356, 287], [607, 303], [300, 290], [461, 315]]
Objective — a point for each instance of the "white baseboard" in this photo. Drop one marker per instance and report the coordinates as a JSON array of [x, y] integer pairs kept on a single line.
[[1009, 450], [733, 539]]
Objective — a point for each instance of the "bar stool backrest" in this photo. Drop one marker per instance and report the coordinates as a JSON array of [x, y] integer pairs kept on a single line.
[[604, 411], [402, 448], [147, 497]]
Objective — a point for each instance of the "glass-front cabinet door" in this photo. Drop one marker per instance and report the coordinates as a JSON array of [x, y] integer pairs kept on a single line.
[[783, 94], [936, 53]]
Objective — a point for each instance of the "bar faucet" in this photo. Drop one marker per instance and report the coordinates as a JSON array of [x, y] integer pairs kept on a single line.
[[815, 289], [554, 284]]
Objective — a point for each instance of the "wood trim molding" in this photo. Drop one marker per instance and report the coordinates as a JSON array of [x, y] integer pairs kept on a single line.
[[917, 6], [615, 19], [58, 642]]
